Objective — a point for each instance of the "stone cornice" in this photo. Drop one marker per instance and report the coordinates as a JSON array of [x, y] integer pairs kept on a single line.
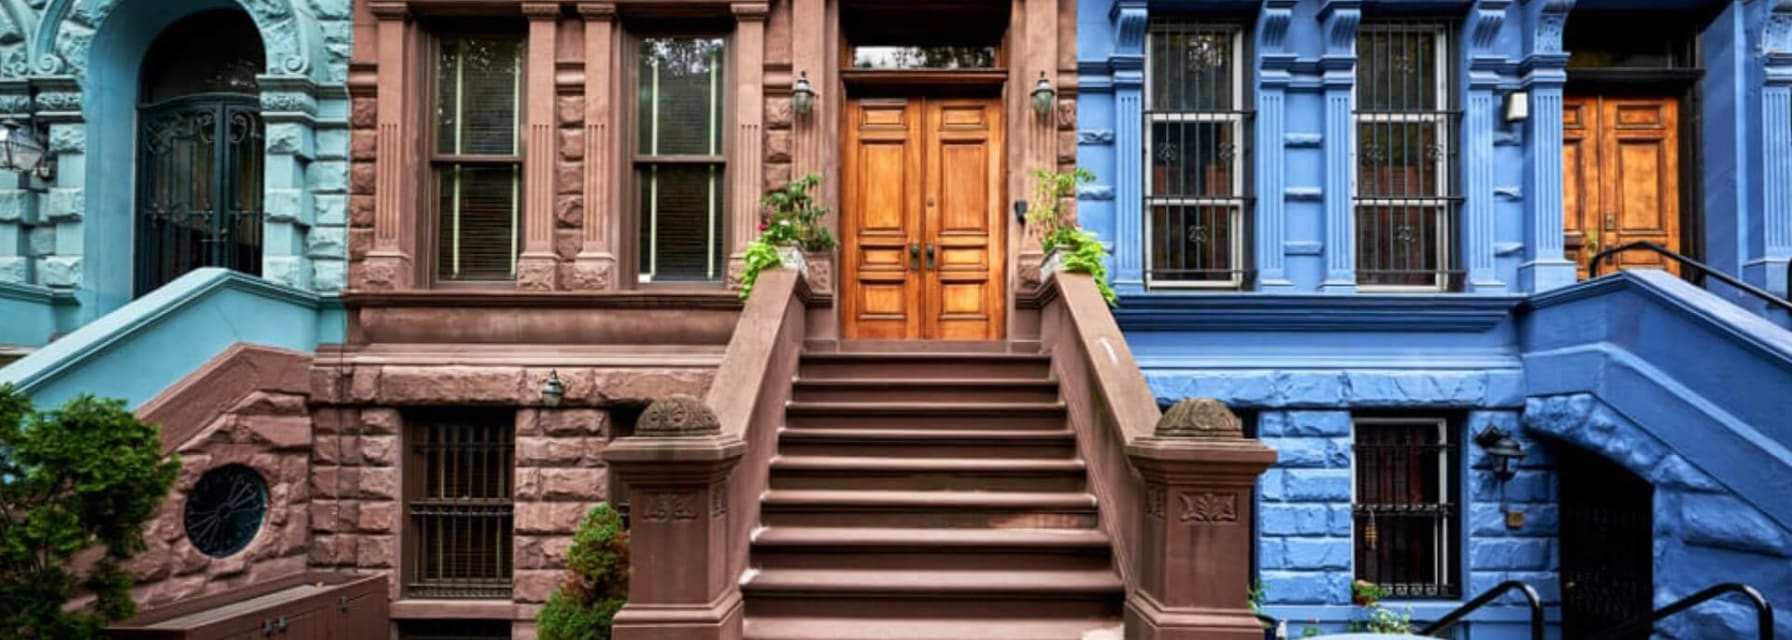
[[541, 10], [750, 11], [597, 11]]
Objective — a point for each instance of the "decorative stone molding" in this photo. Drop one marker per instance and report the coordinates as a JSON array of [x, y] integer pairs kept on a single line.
[[678, 416], [1199, 418]]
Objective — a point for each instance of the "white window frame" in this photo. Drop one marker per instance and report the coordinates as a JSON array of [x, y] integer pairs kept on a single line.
[[1235, 204], [1444, 563], [1440, 124]]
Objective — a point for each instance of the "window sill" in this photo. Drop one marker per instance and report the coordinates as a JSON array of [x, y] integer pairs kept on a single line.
[[416, 609]]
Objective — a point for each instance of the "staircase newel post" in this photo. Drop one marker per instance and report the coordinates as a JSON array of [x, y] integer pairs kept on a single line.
[[676, 469], [1194, 547]]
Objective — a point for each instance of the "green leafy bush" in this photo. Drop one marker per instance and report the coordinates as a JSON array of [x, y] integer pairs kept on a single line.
[[87, 475], [791, 217], [596, 584], [1082, 250]]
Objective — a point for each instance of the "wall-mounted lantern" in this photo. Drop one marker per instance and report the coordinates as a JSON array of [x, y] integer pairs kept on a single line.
[[22, 150], [1504, 452], [1043, 96], [552, 390], [802, 96], [1517, 107]]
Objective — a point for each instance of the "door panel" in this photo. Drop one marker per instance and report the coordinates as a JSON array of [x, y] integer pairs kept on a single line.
[[1621, 158], [881, 293], [923, 220]]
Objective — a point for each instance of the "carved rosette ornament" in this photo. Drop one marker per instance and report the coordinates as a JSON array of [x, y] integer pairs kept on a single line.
[[678, 416], [1199, 418]]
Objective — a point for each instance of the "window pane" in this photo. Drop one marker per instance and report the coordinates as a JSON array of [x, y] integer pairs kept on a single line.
[[480, 221], [1397, 68], [1406, 508], [1396, 244], [1193, 243], [1399, 159], [681, 97], [478, 90], [681, 223], [1192, 67], [1194, 158], [940, 57], [461, 506]]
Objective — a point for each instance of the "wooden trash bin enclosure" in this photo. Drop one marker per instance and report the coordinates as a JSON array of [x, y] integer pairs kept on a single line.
[[301, 607]]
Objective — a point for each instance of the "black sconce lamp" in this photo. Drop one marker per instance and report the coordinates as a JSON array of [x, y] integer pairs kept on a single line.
[[552, 391], [22, 149], [802, 96], [1043, 96], [1020, 211], [1504, 451]]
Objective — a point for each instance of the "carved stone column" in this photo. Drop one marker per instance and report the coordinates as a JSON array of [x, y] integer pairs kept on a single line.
[[595, 266], [536, 268], [676, 468], [747, 163], [389, 263], [1194, 547]]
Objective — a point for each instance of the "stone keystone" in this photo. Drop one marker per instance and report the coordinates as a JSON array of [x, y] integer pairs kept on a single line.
[[678, 416], [1199, 418]]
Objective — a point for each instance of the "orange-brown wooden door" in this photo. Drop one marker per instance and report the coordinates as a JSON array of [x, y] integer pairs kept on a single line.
[[922, 252], [1621, 178]]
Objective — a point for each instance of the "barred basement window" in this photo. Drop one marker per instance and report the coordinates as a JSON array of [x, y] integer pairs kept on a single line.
[[458, 479], [454, 630], [678, 159], [1195, 193], [1406, 156], [1406, 506], [477, 162]]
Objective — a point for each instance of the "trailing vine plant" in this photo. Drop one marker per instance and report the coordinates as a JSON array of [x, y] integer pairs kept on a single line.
[[790, 217], [1082, 251], [1376, 618]]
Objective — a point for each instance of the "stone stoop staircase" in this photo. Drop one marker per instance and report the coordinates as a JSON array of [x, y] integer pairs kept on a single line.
[[928, 496]]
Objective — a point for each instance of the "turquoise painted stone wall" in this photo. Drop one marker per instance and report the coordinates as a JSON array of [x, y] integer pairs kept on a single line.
[[73, 66]]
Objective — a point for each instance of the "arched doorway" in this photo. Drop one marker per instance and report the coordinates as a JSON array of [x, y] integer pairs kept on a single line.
[[199, 149], [1608, 543]]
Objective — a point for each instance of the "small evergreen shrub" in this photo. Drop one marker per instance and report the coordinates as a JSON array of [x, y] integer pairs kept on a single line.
[[596, 583]]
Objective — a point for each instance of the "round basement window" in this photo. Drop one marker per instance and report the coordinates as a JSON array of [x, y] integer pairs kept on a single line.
[[225, 510]]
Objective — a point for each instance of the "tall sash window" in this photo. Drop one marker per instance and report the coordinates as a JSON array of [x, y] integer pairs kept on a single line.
[[1195, 194]]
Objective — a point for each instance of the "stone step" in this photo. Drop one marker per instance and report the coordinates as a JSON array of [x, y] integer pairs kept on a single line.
[[936, 549], [835, 628], [923, 365], [917, 443], [967, 509], [1030, 390], [934, 594], [884, 473], [926, 415]]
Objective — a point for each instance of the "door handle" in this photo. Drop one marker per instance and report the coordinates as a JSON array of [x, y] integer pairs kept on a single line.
[[914, 256], [930, 263]]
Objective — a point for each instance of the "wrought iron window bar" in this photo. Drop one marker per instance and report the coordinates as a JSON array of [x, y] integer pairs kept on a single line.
[[1406, 513], [1406, 203], [462, 518], [1197, 155]]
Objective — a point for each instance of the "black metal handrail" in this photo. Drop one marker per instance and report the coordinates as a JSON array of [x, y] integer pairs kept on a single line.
[[1763, 611], [1702, 269], [1488, 596]]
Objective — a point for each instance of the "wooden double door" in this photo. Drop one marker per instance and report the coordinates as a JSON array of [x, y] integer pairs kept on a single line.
[[1621, 164], [922, 250]]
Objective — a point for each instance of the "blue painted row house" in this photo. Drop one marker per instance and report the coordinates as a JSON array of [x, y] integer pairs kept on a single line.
[[1367, 225]]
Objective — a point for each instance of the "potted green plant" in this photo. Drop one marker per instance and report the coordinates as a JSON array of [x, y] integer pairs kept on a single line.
[[790, 227], [1067, 246]]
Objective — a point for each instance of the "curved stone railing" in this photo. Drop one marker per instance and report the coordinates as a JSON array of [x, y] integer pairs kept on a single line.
[[142, 348]]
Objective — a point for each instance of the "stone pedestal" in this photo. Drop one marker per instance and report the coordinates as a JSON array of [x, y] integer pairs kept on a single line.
[[1194, 537], [676, 469]]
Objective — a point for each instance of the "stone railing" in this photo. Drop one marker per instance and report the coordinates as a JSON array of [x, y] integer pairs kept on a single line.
[[695, 470], [1174, 488]]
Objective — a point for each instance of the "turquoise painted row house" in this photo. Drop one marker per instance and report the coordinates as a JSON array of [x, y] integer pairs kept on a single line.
[[1368, 225], [180, 135]]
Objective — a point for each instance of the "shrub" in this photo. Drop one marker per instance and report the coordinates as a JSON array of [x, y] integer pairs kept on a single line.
[[87, 475], [596, 583]]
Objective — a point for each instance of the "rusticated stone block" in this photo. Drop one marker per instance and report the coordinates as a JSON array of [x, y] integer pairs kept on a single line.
[[572, 143], [611, 386], [378, 420], [326, 516], [536, 451], [776, 176], [333, 550], [376, 517], [449, 385], [535, 585], [569, 211], [334, 482], [573, 483], [777, 146], [360, 210], [570, 110], [566, 243], [549, 517], [777, 112], [276, 568], [361, 178], [285, 433], [174, 589], [574, 422], [376, 551], [528, 484], [379, 450], [363, 144], [542, 552], [363, 113], [1066, 147], [379, 483], [569, 177], [537, 274], [360, 241]]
